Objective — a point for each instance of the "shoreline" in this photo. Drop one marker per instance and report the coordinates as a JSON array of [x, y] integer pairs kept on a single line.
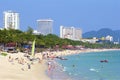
[[71, 52], [57, 72], [39, 71]]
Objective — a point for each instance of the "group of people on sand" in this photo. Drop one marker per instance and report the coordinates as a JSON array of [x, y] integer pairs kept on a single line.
[[20, 60], [26, 59]]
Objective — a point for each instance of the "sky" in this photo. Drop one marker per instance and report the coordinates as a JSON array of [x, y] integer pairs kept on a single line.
[[88, 15]]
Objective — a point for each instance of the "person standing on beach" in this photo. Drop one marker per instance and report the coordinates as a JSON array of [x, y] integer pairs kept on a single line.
[[29, 66], [49, 65]]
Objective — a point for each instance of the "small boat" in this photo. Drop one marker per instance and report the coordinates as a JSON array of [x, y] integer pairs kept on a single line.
[[61, 58], [104, 61]]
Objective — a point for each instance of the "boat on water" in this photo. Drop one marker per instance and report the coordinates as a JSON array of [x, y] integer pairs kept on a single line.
[[106, 61], [61, 58]]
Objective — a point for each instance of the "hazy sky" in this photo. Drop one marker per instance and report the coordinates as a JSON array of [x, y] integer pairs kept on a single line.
[[85, 14]]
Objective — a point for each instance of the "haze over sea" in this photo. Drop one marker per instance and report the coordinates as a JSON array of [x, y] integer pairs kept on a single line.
[[87, 66]]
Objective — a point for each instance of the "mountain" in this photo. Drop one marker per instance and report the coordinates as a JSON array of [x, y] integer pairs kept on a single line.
[[103, 33]]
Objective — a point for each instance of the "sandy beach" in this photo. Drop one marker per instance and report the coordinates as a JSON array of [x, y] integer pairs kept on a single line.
[[71, 52], [14, 70]]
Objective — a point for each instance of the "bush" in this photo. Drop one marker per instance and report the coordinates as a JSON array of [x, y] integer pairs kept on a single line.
[[4, 54]]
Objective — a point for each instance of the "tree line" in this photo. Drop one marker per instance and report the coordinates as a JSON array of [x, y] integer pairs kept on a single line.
[[44, 41]]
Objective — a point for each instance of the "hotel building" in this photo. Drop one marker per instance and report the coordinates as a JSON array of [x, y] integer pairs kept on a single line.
[[45, 26], [109, 38], [11, 20], [70, 33]]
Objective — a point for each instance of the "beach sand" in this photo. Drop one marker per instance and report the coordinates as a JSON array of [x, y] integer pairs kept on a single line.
[[16, 71]]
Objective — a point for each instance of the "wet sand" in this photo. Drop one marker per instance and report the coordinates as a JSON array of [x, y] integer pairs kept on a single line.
[[57, 72]]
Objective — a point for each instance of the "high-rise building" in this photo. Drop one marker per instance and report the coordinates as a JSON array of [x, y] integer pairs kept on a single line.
[[70, 33], [109, 38], [45, 26], [77, 34], [11, 20]]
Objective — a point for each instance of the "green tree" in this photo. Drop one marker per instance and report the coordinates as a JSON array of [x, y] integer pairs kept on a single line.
[[29, 30]]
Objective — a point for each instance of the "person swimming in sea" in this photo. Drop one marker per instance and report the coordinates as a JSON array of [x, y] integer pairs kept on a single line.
[[73, 65]]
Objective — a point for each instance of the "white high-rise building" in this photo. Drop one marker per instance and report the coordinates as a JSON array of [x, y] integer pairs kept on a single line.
[[70, 33], [11, 20], [110, 38], [45, 26]]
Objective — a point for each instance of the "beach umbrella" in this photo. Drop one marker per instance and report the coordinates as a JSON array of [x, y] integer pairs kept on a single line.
[[33, 48]]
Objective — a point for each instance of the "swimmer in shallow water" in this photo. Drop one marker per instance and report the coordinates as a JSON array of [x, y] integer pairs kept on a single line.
[[73, 65]]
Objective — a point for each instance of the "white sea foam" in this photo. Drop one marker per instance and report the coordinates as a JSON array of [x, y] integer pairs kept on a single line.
[[95, 70], [64, 69]]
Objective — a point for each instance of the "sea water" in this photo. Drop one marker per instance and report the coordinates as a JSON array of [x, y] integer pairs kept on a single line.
[[87, 66]]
